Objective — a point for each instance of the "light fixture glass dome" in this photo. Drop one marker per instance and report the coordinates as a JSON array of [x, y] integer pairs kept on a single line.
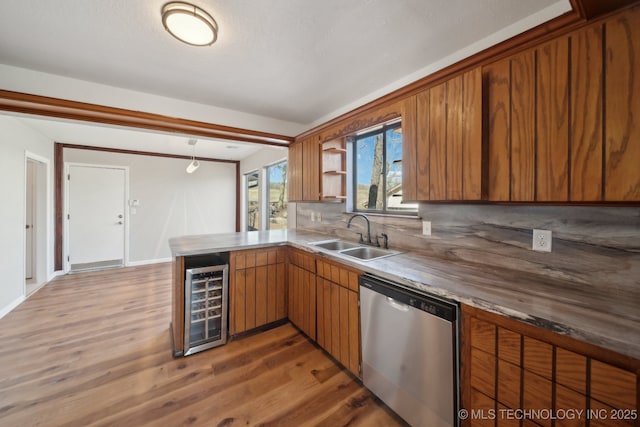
[[189, 23]]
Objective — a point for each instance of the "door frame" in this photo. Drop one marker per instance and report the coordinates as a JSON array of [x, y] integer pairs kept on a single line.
[[47, 223], [65, 245]]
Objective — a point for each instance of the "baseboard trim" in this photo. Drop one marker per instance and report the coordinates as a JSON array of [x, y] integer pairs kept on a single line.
[[6, 310], [148, 261], [54, 275]]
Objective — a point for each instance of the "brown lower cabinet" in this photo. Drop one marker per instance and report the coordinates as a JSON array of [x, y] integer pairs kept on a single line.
[[257, 288], [518, 374], [317, 296], [338, 314], [323, 303], [302, 291]]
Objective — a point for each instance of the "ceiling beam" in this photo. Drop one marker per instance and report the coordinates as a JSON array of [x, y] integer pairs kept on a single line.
[[18, 102]]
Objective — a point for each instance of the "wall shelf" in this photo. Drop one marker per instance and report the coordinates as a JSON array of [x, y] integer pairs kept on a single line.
[[334, 150], [334, 170]]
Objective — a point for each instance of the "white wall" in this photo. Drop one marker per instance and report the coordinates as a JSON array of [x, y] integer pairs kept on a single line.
[[265, 156], [15, 139], [172, 202]]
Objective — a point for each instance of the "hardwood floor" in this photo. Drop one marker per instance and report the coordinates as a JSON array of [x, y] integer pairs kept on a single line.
[[94, 349]]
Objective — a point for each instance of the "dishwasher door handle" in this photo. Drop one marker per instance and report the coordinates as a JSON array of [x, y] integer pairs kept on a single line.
[[397, 305]]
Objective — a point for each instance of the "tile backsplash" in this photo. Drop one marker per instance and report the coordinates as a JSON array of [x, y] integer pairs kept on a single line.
[[588, 242]]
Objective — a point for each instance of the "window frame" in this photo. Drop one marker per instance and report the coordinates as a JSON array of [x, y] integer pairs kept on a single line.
[[258, 174], [267, 190], [380, 129]]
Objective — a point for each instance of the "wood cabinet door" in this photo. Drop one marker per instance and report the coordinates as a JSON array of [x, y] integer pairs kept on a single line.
[[411, 142], [586, 115], [302, 292], [552, 121], [449, 139], [472, 188], [622, 119], [311, 169], [294, 169], [510, 100], [511, 365], [304, 170], [338, 314], [497, 78], [257, 289], [438, 142]]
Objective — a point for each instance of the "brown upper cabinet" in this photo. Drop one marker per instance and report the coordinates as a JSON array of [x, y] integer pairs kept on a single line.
[[294, 169], [560, 122], [304, 170], [444, 158], [556, 123]]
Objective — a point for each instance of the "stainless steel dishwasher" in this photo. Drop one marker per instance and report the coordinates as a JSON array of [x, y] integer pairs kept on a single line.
[[410, 352]]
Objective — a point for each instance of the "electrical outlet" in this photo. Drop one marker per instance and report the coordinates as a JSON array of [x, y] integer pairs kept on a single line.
[[318, 217], [541, 240], [313, 216], [426, 228]]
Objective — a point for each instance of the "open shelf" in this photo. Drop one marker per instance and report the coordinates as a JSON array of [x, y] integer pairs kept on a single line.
[[334, 170], [334, 150]]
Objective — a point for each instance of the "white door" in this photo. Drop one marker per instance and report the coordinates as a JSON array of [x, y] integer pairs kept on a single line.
[[96, 217], [30, 219]]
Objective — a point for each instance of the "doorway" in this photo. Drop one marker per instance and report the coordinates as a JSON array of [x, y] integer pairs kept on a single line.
[[96, 216], [36, 223]]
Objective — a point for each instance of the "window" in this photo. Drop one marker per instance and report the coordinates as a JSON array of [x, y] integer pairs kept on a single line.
[[253, 200], [377, 171], [277, 197], [266, 198]]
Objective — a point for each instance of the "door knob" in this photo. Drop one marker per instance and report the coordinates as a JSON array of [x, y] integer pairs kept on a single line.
[[120, 222], [120, 216]]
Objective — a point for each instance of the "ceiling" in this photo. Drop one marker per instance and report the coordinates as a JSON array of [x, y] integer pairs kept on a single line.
[[297, 61]]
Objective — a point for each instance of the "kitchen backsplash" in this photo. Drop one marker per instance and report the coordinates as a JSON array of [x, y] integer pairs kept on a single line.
[[587, 241]]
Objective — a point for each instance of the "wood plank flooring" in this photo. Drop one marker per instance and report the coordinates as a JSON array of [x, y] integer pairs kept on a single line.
[[94, 349]]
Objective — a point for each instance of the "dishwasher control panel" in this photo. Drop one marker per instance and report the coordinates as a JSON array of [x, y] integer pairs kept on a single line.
[[428, 303]]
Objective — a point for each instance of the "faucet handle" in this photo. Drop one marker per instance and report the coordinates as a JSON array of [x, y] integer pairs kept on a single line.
[[386, 240], [361, 238]]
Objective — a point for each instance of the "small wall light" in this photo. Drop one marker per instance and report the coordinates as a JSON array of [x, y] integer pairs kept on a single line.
[[189, 23], [195, 164]]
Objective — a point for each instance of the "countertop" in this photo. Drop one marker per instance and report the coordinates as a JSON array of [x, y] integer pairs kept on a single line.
[[549, 300]]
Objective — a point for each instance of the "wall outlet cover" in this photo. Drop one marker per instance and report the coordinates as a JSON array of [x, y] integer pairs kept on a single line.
[[426, 228], [541, 240]]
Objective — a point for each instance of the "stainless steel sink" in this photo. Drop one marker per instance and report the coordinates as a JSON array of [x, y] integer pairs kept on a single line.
[[368, 253], [335, 245]]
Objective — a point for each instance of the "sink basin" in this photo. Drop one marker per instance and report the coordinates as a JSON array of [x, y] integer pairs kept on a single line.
[[335, 245], [368, 253]]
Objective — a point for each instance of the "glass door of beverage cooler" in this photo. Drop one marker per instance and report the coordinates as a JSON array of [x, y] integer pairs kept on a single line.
[[206, 291]]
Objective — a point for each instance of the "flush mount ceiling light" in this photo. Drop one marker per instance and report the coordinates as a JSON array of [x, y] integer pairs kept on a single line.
[[191, 168], [189, 23]]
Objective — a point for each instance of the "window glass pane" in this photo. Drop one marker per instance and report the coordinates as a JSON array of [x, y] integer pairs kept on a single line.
[[277, 175], [369, 173], [394, 168], [253, 201]]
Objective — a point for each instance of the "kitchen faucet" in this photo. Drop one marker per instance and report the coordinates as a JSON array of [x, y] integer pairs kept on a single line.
[[368, 227]]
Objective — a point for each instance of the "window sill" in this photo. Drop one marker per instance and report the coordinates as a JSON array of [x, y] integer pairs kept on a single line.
[[415, 217]]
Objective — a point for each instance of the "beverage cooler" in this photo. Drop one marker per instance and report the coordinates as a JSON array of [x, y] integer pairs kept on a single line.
[[205, 307]]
